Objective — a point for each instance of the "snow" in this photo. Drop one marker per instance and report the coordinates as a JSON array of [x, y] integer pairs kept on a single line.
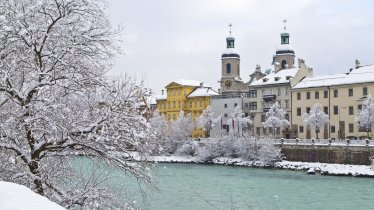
[[360, 75], [161, 97], [204, 91], [284, 47], [18, 197], [328, 168], [282, 75], [228, 51], [186, 82]]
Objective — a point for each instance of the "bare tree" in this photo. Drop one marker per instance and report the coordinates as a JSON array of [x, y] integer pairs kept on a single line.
[[56, 103]]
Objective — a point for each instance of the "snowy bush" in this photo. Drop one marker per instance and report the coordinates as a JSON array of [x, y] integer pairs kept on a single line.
[[249, 149]]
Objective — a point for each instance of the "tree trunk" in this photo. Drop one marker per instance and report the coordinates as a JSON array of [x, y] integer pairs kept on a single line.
[[34, 168]]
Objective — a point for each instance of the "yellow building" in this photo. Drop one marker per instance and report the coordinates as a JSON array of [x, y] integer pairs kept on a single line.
[[340, 96], [188, 95]]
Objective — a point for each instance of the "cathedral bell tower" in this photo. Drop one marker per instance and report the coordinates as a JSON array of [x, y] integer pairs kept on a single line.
[[284, 57], [230, 60]]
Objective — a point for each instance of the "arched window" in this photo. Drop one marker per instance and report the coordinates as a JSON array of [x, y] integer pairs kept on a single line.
[[228, 68], [284, 63]]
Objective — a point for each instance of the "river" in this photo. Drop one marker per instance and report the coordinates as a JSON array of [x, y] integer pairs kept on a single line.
[[194, 186]]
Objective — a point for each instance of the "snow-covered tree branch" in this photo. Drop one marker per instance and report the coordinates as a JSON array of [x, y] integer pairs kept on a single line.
[[316, 118], [55, 100], [275, 118], [365, 116]]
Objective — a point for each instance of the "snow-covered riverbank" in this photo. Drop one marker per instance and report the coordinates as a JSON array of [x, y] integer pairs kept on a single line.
[[317, 168]]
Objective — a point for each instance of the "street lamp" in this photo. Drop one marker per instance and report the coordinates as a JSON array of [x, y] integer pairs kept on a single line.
[[340, 126]]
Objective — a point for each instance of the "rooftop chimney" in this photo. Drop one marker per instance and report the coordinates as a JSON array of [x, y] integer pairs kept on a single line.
[[357, 62]]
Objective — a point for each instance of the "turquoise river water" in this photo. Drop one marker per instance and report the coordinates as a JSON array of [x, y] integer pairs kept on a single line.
[[195, 187]]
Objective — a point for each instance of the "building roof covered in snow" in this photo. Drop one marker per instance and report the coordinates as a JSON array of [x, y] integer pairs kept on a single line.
[[186, 82], [202, 91], [281, 77], [363, 74], [161, 97], [284, 49]]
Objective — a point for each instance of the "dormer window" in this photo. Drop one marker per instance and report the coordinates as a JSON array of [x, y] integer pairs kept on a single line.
[[288, 77], [277, 78], [265, 79]]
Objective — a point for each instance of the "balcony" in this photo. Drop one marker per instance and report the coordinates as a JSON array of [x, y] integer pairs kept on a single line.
[[265, 109], [269, 97]]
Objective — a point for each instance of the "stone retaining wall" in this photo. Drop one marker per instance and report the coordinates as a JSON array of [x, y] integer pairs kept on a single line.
[[355, 155]]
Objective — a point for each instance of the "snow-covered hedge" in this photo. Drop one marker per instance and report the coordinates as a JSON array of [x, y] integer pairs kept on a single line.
[[245, 148]]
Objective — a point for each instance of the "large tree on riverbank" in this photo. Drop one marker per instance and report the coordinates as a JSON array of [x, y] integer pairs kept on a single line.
[[56, 103]]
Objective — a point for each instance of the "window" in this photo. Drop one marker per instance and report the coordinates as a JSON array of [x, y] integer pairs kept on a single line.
[[225, 106], [201, 103], [263, 92], [350, 92], [253, 93], [332, 129], [284, 64], [287, 103], [179, 92], [258, 130], [308, 110], [288, 77], [365, 91], [336, 93], [336, 110], [325, 94], [276, 78], [307, 95], [287, 116], [246, 105], [235, 104], [263, 118], [350, 109], [174, 92], [174, 117], [190, 104], [173, 104], [359, 107], [225, 115], [298, 111], [253, 106], [301, 129], [287, 91], [298, 96], [195, 103], [168, 105], [164, 105], [185, 92], [228, 68], [179, 104], [279, 92], [351, 128], [326, 109], [316, 95]]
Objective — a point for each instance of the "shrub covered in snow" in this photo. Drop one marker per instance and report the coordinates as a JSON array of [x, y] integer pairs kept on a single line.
[[275, 118]]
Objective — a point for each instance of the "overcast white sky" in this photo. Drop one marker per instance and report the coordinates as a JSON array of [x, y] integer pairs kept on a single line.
[[166, 40]]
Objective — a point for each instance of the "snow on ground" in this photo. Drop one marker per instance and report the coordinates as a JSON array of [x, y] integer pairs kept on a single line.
[[18, 197], [322, 168], [328, 168]]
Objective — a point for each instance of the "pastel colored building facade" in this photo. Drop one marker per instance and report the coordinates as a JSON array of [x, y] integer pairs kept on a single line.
[[188, 95], [340, 96]]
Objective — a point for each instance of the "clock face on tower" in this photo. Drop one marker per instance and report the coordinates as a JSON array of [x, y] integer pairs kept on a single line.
[[228, 83]]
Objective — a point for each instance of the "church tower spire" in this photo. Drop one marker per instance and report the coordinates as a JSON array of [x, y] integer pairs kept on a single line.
[[285, 55], [230, 60]]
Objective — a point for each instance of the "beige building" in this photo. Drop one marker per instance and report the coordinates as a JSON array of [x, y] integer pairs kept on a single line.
[[270, 89], [275, 87], [340, 95]]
